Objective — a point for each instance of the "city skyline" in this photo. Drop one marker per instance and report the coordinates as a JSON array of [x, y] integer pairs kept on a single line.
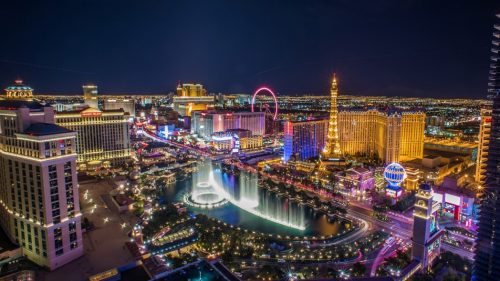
[[405, 49], [250, 141]]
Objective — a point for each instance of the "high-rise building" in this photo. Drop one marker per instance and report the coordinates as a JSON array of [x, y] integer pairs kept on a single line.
[[332, 147], [484, 141], [19, 91], [103, 138], [487, 259], [191, 90], [393, 136], [205, 123], [39, 206], [90, 95], [305, 139], [191, 97], [426, 233], [127, 104]]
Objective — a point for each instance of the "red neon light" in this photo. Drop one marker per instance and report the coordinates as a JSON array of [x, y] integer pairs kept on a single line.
[[274, 97], [90, 114]]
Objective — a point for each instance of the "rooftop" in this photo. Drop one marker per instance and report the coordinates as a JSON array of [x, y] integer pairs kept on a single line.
[[45, 129], [360, 170], [19, 86], [89, 109]]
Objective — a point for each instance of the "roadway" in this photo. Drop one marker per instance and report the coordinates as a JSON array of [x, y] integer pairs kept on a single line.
[[459, 251]]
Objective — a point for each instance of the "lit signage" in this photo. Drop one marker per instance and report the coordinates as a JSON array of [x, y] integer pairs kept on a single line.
[[222, 138], [452, 199], [392, 193], [236, 147], [91, 114], [438, 197]]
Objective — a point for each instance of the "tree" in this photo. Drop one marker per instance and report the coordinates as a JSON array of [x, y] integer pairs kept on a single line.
[[227, 256], [452, 277], [270, 271], [422, 277], [332, 273], [358, 269]]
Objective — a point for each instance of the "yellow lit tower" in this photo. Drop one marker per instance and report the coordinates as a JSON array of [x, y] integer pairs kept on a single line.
[[331, 152]]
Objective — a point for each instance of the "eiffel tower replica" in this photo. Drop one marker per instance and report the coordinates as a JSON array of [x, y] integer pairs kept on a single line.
[[332, 156]]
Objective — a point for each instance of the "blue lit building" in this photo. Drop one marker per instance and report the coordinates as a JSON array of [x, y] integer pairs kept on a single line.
[[304, 139]]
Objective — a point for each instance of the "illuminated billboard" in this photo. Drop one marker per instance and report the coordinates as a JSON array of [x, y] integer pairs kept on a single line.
[[452, 199]]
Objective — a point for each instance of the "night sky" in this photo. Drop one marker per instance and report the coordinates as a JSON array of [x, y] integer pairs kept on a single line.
[[404, 48]]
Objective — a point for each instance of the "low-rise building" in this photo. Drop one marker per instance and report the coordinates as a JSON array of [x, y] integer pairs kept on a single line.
[[356, 181], [127, 104], [236, 140]]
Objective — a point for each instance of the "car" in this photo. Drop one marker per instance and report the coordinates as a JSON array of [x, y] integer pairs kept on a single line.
[[281, 260]]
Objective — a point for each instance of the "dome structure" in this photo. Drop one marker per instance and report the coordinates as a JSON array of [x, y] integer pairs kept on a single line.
[[19, 91]]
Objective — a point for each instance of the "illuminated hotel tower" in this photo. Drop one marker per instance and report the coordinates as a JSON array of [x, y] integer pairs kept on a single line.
[[39, 204], [332, 147], [484, 144], [90, 95], [487, 259]]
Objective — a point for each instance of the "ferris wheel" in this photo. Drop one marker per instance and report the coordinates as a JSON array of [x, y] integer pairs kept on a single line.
[[266, 107]]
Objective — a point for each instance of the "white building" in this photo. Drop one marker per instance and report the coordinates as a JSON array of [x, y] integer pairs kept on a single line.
[[39, 203], [128, 105]]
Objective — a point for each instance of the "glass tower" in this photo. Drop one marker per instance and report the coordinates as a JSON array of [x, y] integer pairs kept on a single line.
[[487, 260]]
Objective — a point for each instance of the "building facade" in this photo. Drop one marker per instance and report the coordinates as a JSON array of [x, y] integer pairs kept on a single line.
[[304, 139], [103, 138], [426, 245], [393, 137], [484, 143], [191, 97], [236, 140], [19, 91], [205, 123], [127, 104], [487, 259], [90, 95], [39, 202]]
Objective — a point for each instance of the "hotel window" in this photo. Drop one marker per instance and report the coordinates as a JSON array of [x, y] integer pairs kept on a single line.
[[59, 252], [72, 226], [72, 237], [56, 216]]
